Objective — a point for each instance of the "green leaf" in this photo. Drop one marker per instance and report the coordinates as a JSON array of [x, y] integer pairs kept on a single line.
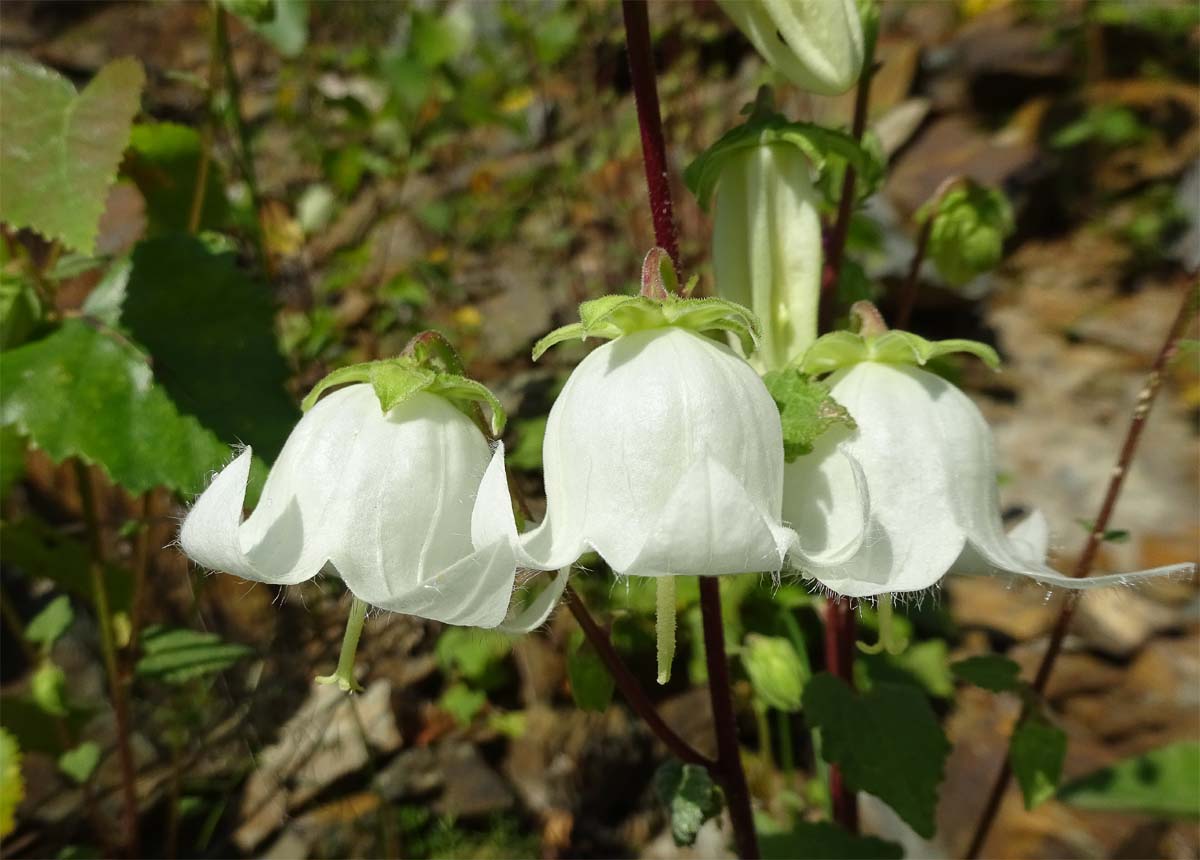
[[164, 162], [886, 741], [462, 703], [210, 329], [12, 458], [90, 394], [79, 763], [990, 671], [1164, 781], [287, 28], [52, 622], [34, 548], [48, 689], [12, 784], [1037, 751], [59, 150], [806, 409], [690, 796], [591, 683], [922, 665], [20, 310], [775, 670], [970, 225], [26, 721], [176, 655], [254, 11], [824, 840]]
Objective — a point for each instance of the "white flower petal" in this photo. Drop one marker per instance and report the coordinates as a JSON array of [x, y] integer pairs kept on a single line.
[[539, 609], [492, 517]]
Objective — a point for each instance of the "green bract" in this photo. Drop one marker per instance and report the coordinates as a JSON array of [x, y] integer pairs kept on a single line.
[[843, 348], [397, 379], [765, 127], [612, 316], [970, 224]]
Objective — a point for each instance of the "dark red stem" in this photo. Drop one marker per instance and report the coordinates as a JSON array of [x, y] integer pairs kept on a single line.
[[729, 757], [654, 150], [1084, 566], [908, 297], [629, 686], [839, 661]]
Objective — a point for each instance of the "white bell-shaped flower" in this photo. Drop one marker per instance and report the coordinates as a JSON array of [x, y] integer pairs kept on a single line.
[[664, 454], [815, 44], [927, 454], [410, 507]]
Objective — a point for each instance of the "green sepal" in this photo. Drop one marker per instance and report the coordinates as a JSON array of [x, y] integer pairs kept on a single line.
[[397, 379], [843, 348], [613, 316], [764, 128]]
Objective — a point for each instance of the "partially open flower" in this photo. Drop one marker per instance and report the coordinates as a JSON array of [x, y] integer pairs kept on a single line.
[[408, 505], [928, 458], [815, 44]]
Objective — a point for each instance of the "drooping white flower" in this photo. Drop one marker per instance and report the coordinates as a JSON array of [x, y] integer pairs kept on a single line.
[[815, 44], [663, 452], [408, 505], [927, 454]]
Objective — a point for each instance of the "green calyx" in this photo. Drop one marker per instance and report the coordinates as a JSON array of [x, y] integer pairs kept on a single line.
[[614, 316], [843, 348], [429, 365], [764, 127]]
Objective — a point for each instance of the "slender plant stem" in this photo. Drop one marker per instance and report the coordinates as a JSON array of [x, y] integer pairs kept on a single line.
[[629, 686], [908, 296], [140, 564], [839, 661], [729, 757], [836, 248], [108, 648], [654, 150], [206, 135], [1084, 566]]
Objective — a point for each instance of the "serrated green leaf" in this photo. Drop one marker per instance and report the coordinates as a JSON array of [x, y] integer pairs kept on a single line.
[[886, 741], [164, 162], [79, 763], [33, 548], [12, 784], [51, 623], [591, 683], [462, 703], [85, 393], [922, 664], [59, 150], [210, 329], [176, 655], [1164, 781], [806, 410], [48, 689], [1037, 751], [690, 796], [990, 671], [824, 840]]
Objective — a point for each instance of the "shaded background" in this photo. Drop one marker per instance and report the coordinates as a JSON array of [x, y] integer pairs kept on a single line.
[[476, 168]]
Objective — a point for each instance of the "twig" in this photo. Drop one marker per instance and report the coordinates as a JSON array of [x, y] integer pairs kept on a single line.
[[629, 686], [654, 151], [1084, 566], [206, 136], [108, 648], [729, 757]]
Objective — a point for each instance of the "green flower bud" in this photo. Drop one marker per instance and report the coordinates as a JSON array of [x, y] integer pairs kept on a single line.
[[775, 671], [970, 224]]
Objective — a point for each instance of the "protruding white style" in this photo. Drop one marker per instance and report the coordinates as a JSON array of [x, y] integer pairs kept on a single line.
[[767, 247], [411, 509], [815, 44], [664, 454], [930, 470]]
